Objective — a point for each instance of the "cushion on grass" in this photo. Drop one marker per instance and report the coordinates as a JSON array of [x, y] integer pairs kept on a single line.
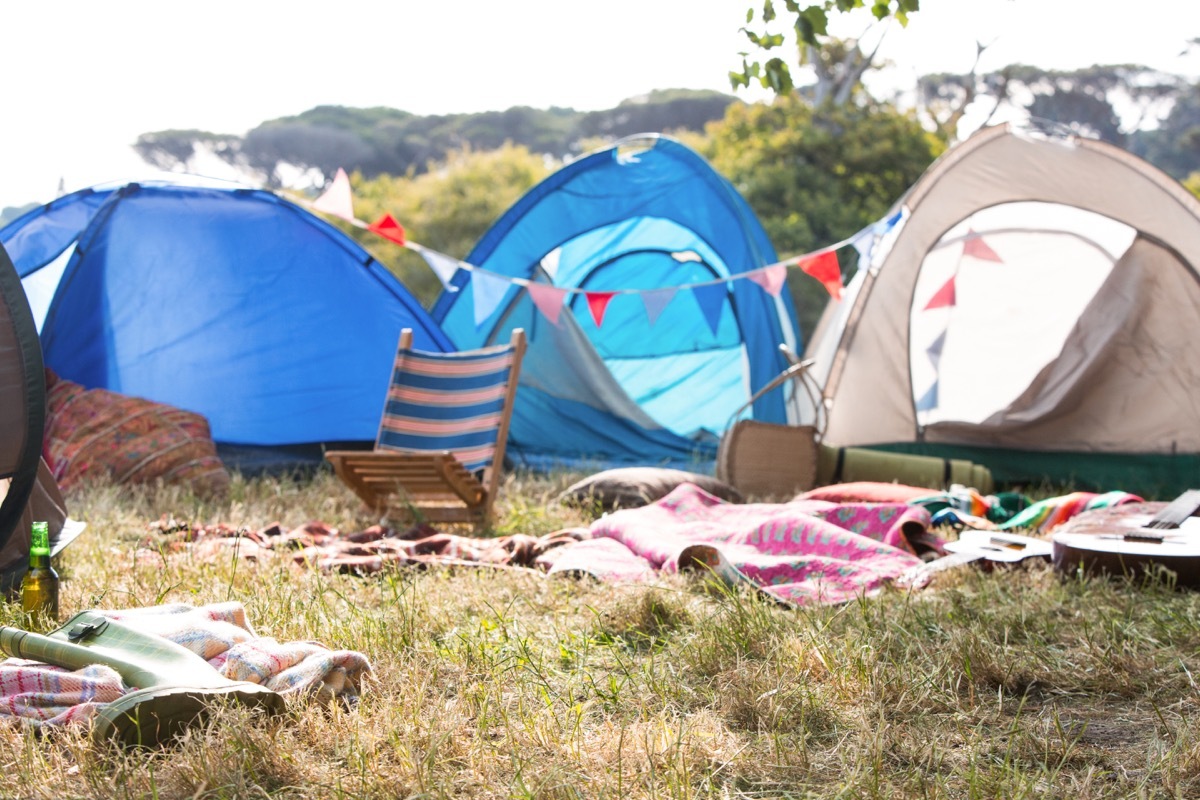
[[867, 492], [631, 487]]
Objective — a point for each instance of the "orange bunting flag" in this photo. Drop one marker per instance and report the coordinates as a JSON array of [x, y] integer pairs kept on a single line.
[[337, 199], [597, 304], [770, 278], [824, 267], [975, 246], [548, 299], [387, 227], [944, 297]]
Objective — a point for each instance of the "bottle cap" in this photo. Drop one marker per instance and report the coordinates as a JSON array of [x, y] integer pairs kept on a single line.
[[40, 539]]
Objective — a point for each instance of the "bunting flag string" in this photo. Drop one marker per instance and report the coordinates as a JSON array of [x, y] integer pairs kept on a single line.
[[490, 288]]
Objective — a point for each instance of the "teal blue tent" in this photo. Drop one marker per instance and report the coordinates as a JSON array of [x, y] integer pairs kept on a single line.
[[681, 346]]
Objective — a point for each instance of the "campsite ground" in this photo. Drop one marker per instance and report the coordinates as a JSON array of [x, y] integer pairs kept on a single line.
[[495, 684]]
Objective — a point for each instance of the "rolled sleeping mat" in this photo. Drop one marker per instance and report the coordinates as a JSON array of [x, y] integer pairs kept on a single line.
[[851, 464]]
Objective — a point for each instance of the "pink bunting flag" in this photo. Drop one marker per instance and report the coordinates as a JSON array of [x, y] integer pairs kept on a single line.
[[655, 301], [770, 278], [387, 227], [824, 267], [336, 199], [597, 304], [975, 246], [548, 299], [944, 297]]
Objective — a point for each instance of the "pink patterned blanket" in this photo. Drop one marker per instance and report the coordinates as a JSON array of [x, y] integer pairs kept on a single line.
[[805, 551], [220, 633]]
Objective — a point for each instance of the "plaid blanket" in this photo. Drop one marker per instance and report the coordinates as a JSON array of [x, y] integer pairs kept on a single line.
[[328, 549], [220, 633]]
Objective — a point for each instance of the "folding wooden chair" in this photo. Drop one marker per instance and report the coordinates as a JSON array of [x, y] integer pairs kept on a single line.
[[440, 450]]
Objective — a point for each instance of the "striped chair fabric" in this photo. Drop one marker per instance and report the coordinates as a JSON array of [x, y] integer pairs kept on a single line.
[[452, 402]]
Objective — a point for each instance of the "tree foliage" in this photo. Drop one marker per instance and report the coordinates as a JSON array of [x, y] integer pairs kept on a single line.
[[1174, 146], [384, 141], [816, 175], [1085, 101], [448, 206], [809, 22]]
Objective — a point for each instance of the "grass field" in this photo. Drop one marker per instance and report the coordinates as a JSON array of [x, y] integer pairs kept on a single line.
[[491, 684]]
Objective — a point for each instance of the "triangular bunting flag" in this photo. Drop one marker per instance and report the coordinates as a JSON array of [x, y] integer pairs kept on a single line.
[[934, 351], [442, 265], [597, 303], [336, 199], [657, 300], [548, 299], [488, 291], [387, 227], [929, 400], [771, 278], [711, 299], [944, 297], [864, 243], [824, 267], [975, 246]]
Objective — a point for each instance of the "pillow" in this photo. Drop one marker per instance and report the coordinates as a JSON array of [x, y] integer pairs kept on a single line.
[[630, 487], [867, 492]]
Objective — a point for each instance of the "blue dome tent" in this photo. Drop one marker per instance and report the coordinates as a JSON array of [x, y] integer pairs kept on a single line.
[[648, 215], [232, 303]]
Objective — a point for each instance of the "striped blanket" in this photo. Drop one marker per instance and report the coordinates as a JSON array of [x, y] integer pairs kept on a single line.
[[40, 694], [805, 551]]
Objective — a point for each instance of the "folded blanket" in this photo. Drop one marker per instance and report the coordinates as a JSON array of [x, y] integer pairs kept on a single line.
[[46, 695], [799, 552]]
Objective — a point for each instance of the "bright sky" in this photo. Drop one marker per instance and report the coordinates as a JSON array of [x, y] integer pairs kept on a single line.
[[81, 79]]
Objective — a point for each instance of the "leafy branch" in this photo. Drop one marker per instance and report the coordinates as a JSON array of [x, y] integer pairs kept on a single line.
[[810, 21]]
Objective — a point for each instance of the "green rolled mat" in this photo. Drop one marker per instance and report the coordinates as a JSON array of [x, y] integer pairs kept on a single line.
[[852, 464]]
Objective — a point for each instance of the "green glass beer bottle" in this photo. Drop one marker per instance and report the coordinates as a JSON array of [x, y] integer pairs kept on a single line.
[[39, 587]]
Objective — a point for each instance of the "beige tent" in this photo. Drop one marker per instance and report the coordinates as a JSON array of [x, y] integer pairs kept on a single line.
[[1034, 305]]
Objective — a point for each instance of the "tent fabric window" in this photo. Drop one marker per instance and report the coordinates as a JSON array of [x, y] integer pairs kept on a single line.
[[1011, 311]]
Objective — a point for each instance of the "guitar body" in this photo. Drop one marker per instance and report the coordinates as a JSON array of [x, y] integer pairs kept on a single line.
[[1121, 541]]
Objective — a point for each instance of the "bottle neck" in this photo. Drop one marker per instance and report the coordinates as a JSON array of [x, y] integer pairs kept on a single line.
[[39, 561]]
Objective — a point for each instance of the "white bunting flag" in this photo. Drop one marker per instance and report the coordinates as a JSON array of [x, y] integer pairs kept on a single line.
[[336, 199], [488, 291]]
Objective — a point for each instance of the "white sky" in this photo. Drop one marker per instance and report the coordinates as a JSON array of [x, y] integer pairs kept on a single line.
[[81, 79]]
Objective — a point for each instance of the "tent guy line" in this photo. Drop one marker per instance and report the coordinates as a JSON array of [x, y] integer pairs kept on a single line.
[[820, 264]]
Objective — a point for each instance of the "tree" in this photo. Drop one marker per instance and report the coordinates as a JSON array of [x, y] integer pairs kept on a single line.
[[1084, 101], [379, 141], [809, 22], [815, 176], [1174, 146]]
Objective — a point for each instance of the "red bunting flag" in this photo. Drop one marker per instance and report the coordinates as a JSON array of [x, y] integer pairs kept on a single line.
[[387, 227], [824, 267], [597, 303], [945, 297], [770, 278], [975, 246]]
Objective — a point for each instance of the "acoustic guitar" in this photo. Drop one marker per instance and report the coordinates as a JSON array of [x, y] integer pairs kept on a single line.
[[985, 548], [1134, 539]]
